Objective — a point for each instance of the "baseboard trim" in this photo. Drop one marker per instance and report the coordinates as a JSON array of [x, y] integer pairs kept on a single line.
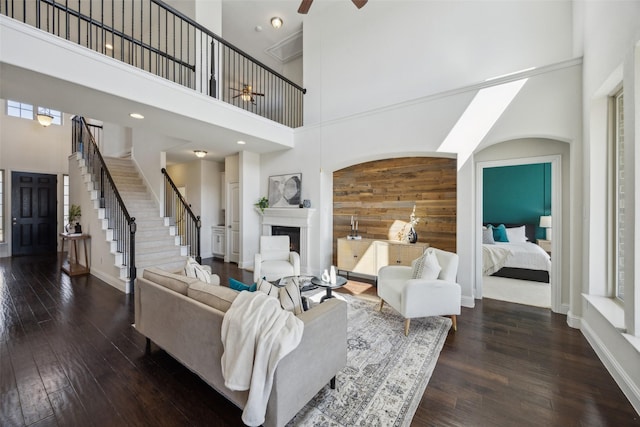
[[620, 376], [573, 320], [110, 280], [468, 302]]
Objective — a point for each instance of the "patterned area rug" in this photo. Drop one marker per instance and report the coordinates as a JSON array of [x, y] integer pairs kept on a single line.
[[386, 372]]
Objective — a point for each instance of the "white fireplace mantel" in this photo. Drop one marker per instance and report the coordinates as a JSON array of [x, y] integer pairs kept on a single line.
[[291, 217]]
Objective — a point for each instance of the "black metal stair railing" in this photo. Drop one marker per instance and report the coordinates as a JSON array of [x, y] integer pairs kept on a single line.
[[186, 222], [157, 38], [120, 222]]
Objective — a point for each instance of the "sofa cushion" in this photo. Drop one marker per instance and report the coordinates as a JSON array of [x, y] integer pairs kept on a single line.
[[175, 282], [218, 297]]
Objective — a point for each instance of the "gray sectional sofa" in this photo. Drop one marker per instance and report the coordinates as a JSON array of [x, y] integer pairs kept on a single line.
[[183, 316]]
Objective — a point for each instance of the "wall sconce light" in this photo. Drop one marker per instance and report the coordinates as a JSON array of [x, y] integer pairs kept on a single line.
[[200, 153], [45, 118], [276, 22]]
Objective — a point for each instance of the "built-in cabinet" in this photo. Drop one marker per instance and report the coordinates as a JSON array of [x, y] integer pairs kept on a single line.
[[218, 241], [367, 256]]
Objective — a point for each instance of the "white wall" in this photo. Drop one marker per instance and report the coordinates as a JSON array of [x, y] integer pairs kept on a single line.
[[26, 146], [393, 51], [611, 32], [249, 173]]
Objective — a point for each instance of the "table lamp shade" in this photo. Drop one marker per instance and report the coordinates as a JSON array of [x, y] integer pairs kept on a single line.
[[545, 222]]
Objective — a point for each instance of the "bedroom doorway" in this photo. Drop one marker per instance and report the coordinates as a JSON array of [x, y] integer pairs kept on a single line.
[[522, 279]]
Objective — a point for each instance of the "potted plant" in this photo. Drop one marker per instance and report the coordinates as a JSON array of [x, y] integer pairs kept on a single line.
[[74, 215], [263, 203]]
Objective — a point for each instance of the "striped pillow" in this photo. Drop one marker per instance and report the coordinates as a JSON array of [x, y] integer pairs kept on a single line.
[[289, 295], [267, 288], [290, 298]]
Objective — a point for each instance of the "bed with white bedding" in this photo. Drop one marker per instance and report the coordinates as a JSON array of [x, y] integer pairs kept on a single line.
[[517, 260]]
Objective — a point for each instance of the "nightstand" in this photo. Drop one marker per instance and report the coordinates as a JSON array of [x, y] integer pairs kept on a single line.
[[545, 244]]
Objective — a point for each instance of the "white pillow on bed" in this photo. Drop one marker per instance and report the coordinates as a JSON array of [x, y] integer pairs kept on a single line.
[[517, 234]]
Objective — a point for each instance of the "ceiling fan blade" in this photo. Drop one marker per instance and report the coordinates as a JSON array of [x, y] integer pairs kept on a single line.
[[233, 97], [233, 88], [256, 93], [304, 6], [359, 3]]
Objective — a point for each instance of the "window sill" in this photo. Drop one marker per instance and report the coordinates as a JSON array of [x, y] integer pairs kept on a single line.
[[609, 308], [612, 310]]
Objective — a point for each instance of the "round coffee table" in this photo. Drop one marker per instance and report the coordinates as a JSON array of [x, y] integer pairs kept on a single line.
[[340, 282]]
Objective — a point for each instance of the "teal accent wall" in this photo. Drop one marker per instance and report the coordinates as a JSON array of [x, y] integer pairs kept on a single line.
[[517, 194]]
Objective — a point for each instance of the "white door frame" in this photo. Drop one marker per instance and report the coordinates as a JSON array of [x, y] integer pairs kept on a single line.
[[555, 277]]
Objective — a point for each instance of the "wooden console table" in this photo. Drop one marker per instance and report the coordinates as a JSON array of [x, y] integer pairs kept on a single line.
[[367, 256], [71, 265]]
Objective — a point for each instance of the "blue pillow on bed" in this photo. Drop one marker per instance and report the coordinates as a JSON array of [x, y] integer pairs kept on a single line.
[[500, 234], [239, 286]]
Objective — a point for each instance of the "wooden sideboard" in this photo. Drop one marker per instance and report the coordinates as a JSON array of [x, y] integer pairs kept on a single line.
[[367, 256]]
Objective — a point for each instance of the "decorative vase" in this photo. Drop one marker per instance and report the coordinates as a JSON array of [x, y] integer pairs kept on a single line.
[[78, 228], [332, 275], [412, 236]]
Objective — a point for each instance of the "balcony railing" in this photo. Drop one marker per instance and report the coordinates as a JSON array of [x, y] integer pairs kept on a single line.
[[157, 38]]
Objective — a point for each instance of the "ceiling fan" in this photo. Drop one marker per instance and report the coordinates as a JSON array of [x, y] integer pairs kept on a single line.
[[247, 94], [306, 4]]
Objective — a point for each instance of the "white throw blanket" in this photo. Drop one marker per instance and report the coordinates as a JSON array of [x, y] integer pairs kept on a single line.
[[494, 258], [256, 333]]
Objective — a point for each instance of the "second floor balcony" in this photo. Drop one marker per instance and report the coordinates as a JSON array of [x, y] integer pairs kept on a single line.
[[157, 38]]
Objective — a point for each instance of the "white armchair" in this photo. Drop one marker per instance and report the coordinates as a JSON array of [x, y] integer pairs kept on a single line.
[[422, 297], [275, 259]]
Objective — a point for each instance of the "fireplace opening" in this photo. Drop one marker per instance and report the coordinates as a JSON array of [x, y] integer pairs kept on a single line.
[[292, 232]]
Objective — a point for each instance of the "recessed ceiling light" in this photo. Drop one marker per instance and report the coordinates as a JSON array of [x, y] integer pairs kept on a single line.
[[258, 28], [136, 116], [276, 22], [241, 142], [108, 46]]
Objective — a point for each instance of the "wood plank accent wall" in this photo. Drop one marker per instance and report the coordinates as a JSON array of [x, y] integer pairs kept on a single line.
[[381, 195]]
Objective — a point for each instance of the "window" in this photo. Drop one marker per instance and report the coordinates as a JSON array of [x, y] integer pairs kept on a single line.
[[65, 200], [26, 111], [57, 115], [19, 109], [619, 188], [1, 205]]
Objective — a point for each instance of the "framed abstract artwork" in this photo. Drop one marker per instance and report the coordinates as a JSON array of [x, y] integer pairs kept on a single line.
[[285, 191]]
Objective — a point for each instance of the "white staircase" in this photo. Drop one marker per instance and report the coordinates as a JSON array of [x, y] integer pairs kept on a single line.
[[156, 243]]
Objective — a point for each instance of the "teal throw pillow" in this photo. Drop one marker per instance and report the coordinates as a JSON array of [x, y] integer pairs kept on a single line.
[[239, 286], [500, 233]]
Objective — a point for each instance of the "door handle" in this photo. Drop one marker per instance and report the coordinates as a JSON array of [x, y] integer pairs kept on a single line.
[[14, 221]]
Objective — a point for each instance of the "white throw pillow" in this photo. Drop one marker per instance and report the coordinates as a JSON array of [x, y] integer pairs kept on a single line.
[[203, 274], [189, 267], [517, 234], [417, 265], [267, 288], [431, 267], [426, 267], [290, 298]]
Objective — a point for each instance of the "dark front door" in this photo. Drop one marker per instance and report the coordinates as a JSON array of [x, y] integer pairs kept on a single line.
[[33, 213]]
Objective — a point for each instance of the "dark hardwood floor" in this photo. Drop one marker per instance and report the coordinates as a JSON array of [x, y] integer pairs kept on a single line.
[[69, 357]]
